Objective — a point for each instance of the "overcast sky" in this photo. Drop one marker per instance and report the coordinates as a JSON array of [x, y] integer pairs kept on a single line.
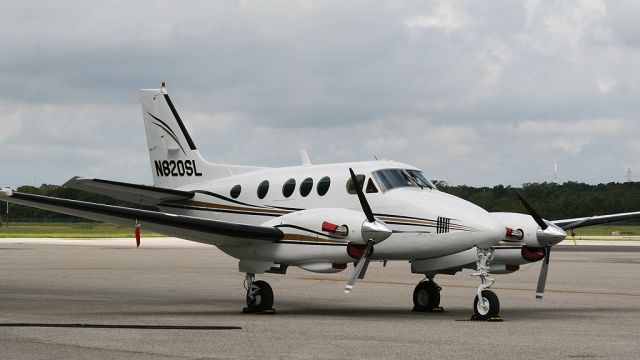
[[474, 92]]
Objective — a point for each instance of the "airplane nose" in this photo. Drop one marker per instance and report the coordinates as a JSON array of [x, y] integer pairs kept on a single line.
[[489, 232]]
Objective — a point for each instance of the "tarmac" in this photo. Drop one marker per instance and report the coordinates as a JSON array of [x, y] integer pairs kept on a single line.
[[172, 299]]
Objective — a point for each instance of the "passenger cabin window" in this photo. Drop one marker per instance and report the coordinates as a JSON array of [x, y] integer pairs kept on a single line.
[[351, 188], [235, 191], [305, 186], [323, 185], [263, 188], [288, 187], [371, 187], [395, 178]]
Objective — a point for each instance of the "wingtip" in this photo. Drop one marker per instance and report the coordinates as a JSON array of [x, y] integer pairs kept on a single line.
[[347, 289]]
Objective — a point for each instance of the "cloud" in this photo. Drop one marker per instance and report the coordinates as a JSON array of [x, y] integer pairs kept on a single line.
[[462, 89], [447, 16]]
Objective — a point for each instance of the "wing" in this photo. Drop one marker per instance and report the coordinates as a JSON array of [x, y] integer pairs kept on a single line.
[[139, 194], [197, 229], [568, 224]]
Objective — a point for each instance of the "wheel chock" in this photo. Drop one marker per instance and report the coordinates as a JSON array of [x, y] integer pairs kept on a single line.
[[438, 309], [491, 319]]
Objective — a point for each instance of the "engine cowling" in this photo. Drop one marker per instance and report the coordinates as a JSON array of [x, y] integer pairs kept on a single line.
[[523, 228], [327, 224]]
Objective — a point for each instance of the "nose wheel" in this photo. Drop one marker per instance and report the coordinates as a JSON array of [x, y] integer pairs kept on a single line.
[[486, 306], [426, 297]]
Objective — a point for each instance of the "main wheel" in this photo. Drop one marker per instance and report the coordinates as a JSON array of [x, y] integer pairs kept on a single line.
[[489, 307], [263, 299], [426, 296]]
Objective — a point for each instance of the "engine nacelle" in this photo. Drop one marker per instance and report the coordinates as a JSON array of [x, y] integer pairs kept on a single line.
[[322, 225], [524, 228]]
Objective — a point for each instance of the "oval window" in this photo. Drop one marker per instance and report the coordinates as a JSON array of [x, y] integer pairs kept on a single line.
[[351, 187], [235, 191], [305, 186], [263, 188], [323, 185], [288, 187]]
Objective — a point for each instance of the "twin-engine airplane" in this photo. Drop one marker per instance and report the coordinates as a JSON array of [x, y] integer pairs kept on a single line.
[[317, 217]]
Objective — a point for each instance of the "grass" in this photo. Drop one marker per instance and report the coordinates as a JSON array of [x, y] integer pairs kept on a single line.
[[68, 230], [606, 230]]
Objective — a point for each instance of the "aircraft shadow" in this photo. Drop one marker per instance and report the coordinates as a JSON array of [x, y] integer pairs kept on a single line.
[[293, 310]]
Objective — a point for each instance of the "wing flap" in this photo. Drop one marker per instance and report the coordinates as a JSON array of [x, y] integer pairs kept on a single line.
[[207, 231], [138, 194]]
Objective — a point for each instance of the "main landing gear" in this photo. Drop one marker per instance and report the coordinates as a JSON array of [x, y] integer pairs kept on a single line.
[[259, 296], [486, 305], [426, 296]]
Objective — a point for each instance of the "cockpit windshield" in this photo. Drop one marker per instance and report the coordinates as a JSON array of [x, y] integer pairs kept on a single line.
[[394, 178]]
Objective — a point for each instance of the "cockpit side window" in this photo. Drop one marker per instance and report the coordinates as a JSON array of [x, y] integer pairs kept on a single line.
[[420, 179], [371, 187], [395, 178], [351, 188]]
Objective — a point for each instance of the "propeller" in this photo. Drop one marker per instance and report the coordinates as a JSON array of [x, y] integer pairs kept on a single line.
[[373, 231], [534, 214], [549, 236]]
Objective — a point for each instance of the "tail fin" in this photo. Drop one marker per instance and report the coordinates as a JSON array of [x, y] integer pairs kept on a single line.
[[175, 160]]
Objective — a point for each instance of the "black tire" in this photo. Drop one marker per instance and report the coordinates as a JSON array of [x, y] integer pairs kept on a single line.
[[426, 296], [494, 306], [263, 300]]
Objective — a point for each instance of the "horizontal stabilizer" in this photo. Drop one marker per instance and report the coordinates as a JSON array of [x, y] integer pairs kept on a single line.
[[134, 193], [207, 231]]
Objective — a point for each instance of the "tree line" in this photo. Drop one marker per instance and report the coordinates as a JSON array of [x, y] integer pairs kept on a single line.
[[551, 200]]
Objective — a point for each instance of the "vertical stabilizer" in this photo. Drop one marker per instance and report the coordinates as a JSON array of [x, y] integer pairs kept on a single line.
[[175, 160]]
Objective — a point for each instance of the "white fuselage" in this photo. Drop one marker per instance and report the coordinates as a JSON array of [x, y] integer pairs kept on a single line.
[[427, 223]]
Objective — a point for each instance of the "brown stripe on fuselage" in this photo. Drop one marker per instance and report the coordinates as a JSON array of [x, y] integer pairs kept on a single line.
[[397, 219], [311, 239], [231, 207]]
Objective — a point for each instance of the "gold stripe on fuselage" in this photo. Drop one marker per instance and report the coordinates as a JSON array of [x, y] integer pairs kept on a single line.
[[308, 238], [399, 220]]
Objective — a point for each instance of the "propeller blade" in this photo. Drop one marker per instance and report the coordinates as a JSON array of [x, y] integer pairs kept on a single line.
[[534, 214], [363, 200], [542, 279], [363, 263]]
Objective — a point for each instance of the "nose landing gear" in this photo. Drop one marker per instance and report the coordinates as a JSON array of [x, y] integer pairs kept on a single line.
[[486, 305]]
